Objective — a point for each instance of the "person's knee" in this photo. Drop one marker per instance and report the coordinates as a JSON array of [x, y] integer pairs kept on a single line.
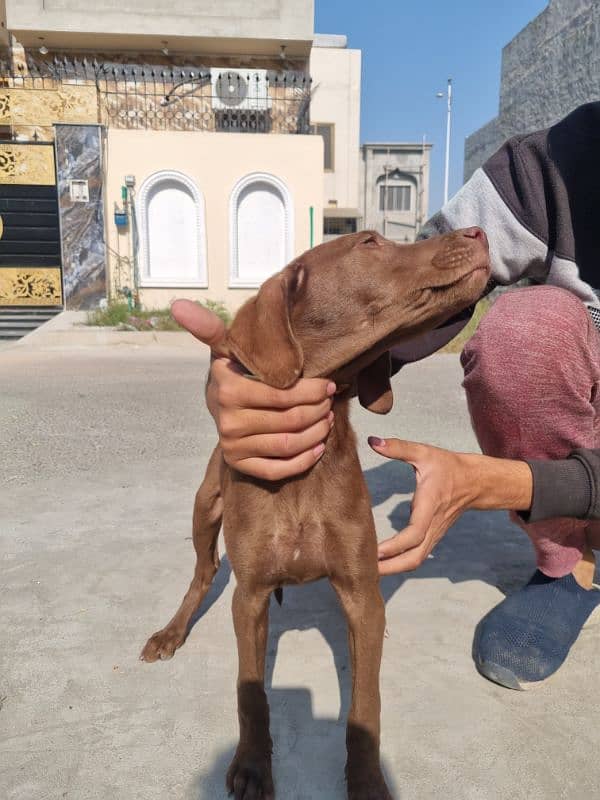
[[521, 328]]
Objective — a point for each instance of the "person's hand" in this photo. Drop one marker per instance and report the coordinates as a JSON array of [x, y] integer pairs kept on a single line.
[[265, 432], [447, 485]]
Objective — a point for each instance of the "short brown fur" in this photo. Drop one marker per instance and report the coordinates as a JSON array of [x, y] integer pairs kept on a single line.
[[334, 312]]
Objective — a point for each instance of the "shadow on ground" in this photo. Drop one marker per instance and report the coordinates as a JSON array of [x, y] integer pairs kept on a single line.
[[482, 546], [309, 754]]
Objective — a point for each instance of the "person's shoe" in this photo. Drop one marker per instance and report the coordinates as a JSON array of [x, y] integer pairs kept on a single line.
[[527, 637]]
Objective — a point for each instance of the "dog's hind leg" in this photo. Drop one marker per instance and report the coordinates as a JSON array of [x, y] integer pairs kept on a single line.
[[249, 776], [208, 513]]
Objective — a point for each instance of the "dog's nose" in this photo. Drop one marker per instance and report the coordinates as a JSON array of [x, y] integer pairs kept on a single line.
[[475, 233]]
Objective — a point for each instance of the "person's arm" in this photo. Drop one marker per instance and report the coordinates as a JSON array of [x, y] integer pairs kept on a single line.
[[536, 199], [566, 488], [449, 484], [526, 197]]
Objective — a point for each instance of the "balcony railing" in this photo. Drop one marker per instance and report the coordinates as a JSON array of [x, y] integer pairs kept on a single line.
[[183, 99]]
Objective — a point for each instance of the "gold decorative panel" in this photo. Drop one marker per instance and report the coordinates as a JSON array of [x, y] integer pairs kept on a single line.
[[27, 164], [34, 286], [5, 107], [44, 107]]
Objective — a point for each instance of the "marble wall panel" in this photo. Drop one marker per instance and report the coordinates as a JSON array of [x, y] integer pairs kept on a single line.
[[79, 157]]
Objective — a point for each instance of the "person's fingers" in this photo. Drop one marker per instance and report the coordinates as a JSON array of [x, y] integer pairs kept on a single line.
[[242, 392], [407, 539], [200, 322], [275, 469], [397, 448], [280, 445], [414, 535], [406, 562], [249, 422]]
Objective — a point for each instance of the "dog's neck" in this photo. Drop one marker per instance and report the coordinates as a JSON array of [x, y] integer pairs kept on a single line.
[[341, 439]]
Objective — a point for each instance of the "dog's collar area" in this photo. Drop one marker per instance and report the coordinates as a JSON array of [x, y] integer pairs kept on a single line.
[[341, 388]]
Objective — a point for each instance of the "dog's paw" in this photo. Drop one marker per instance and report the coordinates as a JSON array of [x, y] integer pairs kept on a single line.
[[162, 645], [249, 777], [368, 786]]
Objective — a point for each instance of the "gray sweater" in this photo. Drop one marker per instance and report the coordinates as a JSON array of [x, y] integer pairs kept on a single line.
[[538, 200]]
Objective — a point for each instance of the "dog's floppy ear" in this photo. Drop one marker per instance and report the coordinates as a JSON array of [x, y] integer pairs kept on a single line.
[[374, 388], [261, 336]]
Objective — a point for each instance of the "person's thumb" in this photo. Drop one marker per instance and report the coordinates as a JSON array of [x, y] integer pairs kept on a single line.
[[201, 323], [396, 448]]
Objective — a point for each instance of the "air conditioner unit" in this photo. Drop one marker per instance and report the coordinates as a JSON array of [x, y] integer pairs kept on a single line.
[[240, 90]]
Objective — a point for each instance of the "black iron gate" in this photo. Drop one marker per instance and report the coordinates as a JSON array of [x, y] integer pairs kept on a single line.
[[30, 249]]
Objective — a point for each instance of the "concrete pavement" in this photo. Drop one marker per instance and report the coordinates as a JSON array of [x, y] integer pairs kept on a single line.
[[102, 450]]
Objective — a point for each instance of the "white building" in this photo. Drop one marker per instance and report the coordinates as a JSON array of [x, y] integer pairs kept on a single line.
[[208, 146], [394, 188], [335, 114]]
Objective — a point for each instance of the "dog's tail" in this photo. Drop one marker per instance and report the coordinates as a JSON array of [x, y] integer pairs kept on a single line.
[[279, 595]]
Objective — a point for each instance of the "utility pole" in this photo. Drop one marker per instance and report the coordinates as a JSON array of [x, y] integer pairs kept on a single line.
[[448, 96]]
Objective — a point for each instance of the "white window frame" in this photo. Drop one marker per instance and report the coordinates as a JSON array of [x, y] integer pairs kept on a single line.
[[396, 184], [146, 280], [235, 282]]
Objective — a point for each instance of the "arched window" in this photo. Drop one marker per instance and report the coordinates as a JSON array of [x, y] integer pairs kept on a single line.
[[172, 233], [261, 229]]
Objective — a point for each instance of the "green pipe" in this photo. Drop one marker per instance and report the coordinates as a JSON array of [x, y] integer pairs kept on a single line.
[[312, 226]]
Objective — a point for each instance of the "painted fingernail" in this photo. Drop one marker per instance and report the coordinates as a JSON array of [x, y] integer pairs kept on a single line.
[[319, 450], [330, 418], [331, 388], [375, 441]]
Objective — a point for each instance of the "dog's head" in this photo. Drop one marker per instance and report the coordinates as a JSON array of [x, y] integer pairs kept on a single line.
[[336, 310]]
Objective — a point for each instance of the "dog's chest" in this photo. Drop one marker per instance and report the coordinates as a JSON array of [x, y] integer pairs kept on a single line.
[[299, 530], [286, 534], [297, 551], [275, 536]]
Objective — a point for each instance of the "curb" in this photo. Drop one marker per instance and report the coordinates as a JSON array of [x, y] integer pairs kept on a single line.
[[82, 337]]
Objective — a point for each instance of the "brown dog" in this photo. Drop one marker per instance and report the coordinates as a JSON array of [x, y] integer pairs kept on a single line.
[[334, 312]]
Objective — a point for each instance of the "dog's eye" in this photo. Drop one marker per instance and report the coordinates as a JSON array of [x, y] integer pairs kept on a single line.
[[369, 239]]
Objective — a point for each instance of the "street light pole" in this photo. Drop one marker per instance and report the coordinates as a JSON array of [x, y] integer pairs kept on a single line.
[[448, 127], [448, 96]]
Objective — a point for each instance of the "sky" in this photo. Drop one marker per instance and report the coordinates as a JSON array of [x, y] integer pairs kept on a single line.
[[409, 50]]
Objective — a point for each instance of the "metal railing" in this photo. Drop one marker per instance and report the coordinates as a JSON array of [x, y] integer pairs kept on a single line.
[[150, 97]]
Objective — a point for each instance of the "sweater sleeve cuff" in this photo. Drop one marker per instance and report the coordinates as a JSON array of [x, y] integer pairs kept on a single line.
[[560, 489]]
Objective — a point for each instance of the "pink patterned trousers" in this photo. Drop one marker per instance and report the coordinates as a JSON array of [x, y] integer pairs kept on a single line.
[[532, 375]]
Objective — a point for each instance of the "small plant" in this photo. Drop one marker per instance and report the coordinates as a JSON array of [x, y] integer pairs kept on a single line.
[[118, 314], [219, 308], [114, 314]]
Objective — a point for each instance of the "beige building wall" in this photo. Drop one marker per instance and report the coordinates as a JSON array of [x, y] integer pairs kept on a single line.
[[335, 72], [215, 162], [233, 25]]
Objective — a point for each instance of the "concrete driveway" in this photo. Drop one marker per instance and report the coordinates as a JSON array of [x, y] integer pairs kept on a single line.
[[102, 450]]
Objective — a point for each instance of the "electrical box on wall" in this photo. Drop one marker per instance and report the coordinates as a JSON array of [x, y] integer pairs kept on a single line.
[[79, 191], [121, 217]]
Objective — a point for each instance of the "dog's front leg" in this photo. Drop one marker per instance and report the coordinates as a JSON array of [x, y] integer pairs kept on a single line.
[[208, 513], [365, 612], [249, 775]]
